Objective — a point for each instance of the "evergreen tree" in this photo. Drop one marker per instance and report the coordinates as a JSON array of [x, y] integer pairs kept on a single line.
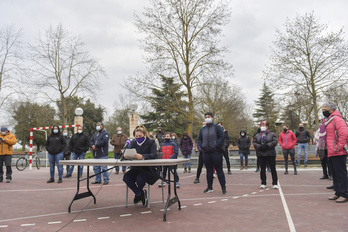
[[165, 101], [266, 107]]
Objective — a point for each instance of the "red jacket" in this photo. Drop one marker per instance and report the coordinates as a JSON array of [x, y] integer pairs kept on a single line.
[[287, 140], [341, 127]]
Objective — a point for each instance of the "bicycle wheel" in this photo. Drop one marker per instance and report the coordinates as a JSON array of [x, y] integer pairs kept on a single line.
[[37, 162], [21, 163]]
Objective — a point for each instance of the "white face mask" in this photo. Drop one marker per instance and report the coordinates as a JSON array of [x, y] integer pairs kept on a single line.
[[242, 134], [98, 128], [208, 120], [3, 132], [119, 132], [173, 137], [55, 131], [79, 131], [65, 134], [263, 128]]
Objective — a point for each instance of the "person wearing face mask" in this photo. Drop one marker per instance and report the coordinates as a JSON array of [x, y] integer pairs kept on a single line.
[[303, 137], [170, 151], [265, 143], [55, 145], [118, 141], [152, 136], [100, 146], [211, 138], [186, 146], [7, 140], [78, 145], [244, 148], [287, 141], [334, 133], [66, 151], [137, 177], [175, 139]]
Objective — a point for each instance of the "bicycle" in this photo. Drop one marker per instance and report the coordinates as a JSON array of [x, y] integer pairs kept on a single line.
[[23, 162]]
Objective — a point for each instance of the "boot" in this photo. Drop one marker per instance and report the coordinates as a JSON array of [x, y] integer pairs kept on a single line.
[[241, 165], [185, 170], [295, 170], [189, 170], [246, 165]]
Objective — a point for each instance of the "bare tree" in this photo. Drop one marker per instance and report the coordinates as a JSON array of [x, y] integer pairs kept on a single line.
[[9, 61], [181, 42], [63, 68], [309, 56]]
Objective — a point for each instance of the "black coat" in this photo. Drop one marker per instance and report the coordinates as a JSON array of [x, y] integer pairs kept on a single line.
[[79, 143], [55, 144], [271, 141], [244, 143]]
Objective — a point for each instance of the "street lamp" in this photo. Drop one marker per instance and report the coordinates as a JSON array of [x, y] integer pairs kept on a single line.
[[174, 114], [78, 111], [133, 118], [78, 120], [133, 107]]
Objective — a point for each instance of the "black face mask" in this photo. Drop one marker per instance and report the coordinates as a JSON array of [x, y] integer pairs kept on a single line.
[[326, 113], [167, 139], [258, 130], [285, 130], [300, 128]]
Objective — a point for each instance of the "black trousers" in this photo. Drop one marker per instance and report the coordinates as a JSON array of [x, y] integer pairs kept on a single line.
[[271, 160], [227, 158], [339, 174], [324, 161], [200, 165], [286, 157]]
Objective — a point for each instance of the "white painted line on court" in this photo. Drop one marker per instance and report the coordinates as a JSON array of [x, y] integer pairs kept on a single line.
[[163, 209], [3, 226], [49, 223], [197, 204], [184, 206], [245, 195], [125, 215], [267, 188], [210, 202], [101, 218], [145, 212], [235, 197], [224, 199], [286, 209], [80, 220], [253, 192], [260, 191], [33, 224]]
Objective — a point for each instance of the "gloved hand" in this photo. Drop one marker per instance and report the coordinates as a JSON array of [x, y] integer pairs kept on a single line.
[[264, 147]]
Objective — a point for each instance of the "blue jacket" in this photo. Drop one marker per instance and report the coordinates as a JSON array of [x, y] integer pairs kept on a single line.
[[169, 149], [100, 140], [211, 138]]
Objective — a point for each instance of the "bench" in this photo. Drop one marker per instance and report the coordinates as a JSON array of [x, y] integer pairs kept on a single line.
[[310, 158]]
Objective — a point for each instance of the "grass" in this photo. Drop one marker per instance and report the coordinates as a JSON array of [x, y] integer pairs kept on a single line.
[[90, 155]]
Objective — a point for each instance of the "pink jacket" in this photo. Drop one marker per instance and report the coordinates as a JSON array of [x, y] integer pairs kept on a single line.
[[341, 127], [287, 140]]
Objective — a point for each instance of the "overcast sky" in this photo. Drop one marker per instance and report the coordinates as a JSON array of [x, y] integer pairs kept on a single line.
[[106, 27]]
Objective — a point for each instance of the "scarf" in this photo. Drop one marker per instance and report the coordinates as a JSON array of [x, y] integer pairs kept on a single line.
[[322, 134], [263, 136]]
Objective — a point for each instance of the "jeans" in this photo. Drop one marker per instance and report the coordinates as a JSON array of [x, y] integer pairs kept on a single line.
[[7, 160], [98, 169], [75, 157], [54, 160], [117, 168], [241, 157], [302, 146], [211, 160], [189, 163]]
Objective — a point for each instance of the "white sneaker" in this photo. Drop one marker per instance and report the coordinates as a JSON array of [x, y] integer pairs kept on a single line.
[[275, 186], [263, 186]]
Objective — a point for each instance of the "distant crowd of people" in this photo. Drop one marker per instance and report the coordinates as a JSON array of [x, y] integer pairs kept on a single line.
[[212, 144]]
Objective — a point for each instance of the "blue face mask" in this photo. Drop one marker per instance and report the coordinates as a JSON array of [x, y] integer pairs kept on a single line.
[[140, 140], [119, 132]]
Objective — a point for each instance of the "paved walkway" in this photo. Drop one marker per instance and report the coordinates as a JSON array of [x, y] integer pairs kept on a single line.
[[28, 203]]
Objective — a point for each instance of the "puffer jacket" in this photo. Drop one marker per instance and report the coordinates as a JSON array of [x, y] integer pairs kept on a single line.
[[341, 127], [287, 140], [169, 150], [244, 143], [6, 147], [100, 140], [271, 141]]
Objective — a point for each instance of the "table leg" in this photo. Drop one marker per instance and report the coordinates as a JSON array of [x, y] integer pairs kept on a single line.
[[171, 201]]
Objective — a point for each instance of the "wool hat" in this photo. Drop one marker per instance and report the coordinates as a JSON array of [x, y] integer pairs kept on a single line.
[[3, 128]]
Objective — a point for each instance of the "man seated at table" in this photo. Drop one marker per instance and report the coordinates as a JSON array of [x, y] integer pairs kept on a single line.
[[136, 177]]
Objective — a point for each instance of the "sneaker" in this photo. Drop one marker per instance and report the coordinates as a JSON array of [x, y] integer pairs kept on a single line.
[[275, 186], [330, 187], [295, 172], [257, 170], [67, 176], [341, 200], [177, 185], [8, 179], [223, 191], [324, 177], [214, 175], [96, 182], [106, 182], [229, 172], [50, 180], [137, 199], [59, 180], [196, 181], [333, 197], [208, 190], [286, 172], [262, 186], [144, 198]]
